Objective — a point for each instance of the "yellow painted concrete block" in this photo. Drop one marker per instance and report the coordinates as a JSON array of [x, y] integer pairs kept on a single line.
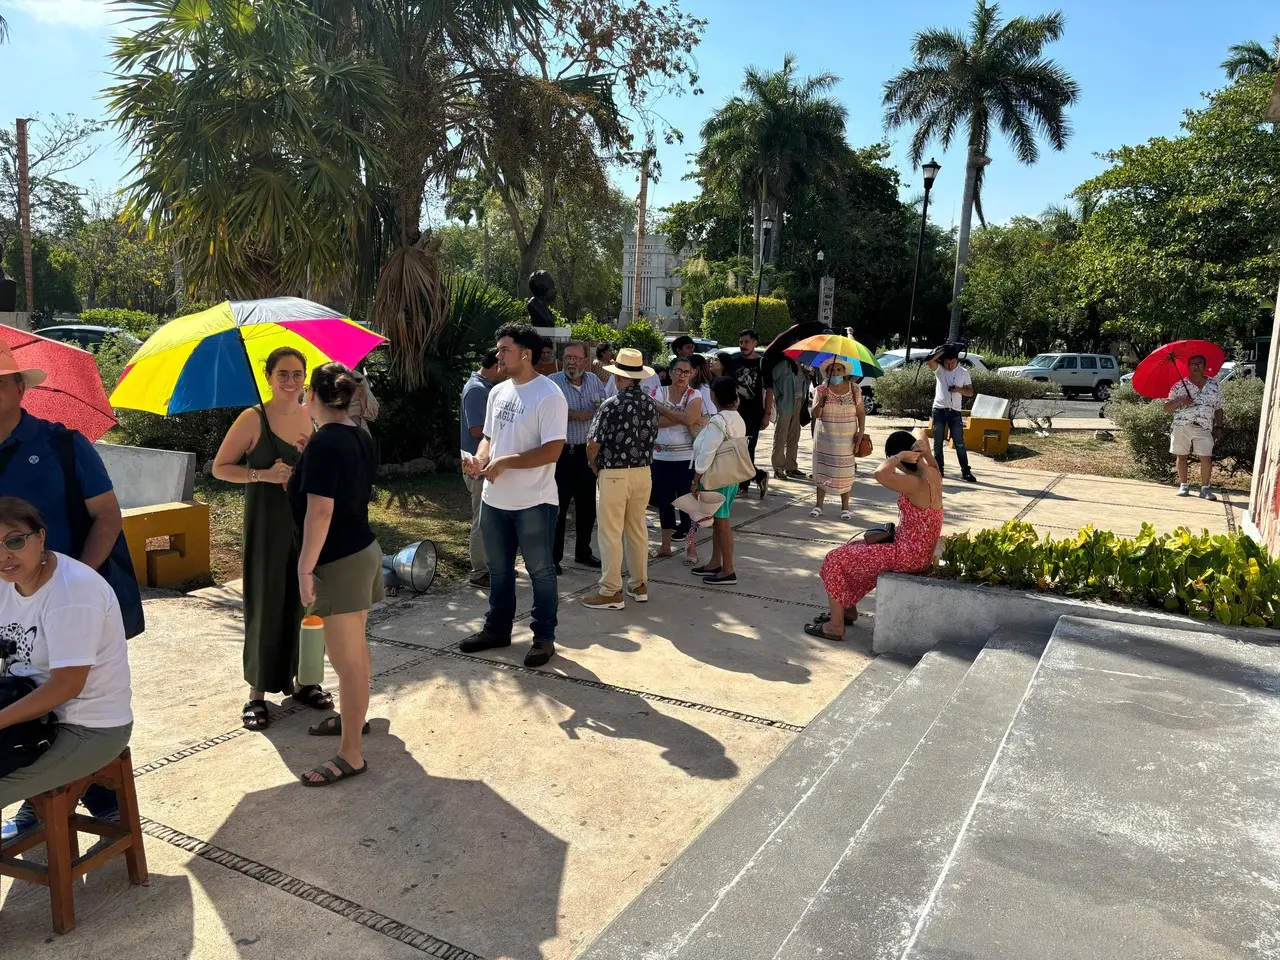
[[987, 435], [186, 557]]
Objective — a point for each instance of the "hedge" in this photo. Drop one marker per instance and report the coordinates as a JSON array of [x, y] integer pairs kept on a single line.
[[909, 393], [645, 337], [1228, 578], [1146, 427], [724, 319]]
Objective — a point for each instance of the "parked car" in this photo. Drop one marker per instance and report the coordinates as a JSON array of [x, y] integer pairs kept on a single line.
[[1075, 373], [700, 344], [1231, 370], [894, 359], [88, 336]]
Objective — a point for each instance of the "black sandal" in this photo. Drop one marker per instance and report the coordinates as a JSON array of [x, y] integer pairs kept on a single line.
[[347, 771], [255, 716], [331, 727], [822, 618], [815, 630], [314, 696]]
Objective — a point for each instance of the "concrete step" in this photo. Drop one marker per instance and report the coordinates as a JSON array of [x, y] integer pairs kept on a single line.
[[741, 887], [1133, 809], [869, 905]]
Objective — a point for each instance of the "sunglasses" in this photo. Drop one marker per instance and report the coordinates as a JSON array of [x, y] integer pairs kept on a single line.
[[16, 542]]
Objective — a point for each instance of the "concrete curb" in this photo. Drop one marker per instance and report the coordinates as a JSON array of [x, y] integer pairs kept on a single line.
[[914, 614]]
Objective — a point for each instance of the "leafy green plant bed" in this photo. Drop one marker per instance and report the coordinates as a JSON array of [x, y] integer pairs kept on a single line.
[[1228, 578]]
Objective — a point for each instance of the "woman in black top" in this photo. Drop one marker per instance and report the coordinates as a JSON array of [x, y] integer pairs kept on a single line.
[[340, 561]]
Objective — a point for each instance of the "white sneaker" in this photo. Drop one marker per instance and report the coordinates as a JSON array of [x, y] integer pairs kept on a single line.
[[1206, 493], [1184, 490]]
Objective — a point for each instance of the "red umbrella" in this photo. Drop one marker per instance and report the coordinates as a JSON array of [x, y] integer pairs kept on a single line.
[[1167, 366], [72, 392]]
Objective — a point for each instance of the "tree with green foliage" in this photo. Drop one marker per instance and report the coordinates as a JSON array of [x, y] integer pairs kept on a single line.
[[1251, 59], [767, 144], [53, 269], [251, 142], [995, 74], [57, 145], [1184, 241]]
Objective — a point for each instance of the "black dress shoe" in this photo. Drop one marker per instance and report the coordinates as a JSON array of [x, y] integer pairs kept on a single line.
[[592, 562], [483, 642], [539, 653]]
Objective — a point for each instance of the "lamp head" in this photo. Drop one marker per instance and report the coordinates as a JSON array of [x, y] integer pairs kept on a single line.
[[768, 223], [413, 566], [930, 172], [821, 256]]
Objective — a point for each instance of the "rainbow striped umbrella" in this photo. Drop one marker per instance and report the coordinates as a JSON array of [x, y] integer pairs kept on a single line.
[[217, 358], [815, 351]]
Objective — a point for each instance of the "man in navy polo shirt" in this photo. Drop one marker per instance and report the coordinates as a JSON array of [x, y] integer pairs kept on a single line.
[[30, 468]]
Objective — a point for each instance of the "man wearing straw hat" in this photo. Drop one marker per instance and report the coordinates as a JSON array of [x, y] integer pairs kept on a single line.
[[32, 454], [620, 450]]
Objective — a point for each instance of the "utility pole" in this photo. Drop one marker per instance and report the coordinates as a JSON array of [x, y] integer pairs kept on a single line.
[[641, 204], [24, 212]]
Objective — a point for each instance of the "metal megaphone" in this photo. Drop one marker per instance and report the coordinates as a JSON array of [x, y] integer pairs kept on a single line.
[[413, 566]]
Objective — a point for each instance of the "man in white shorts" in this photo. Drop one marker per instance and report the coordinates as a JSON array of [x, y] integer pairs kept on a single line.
[[1196, 405]]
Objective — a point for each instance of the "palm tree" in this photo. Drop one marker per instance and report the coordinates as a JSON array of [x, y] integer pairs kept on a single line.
[[768, 143], [251, 152], [1251, 59], [996, 73]]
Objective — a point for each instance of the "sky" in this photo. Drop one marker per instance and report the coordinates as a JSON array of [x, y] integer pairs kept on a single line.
[[1140, 64]]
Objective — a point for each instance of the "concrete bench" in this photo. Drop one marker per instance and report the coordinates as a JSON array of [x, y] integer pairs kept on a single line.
[[156, 489]]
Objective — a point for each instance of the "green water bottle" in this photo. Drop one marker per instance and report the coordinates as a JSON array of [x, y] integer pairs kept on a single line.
[[311, 650]]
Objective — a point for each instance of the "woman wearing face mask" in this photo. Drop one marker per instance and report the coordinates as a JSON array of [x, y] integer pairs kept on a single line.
[[260, 450], [850, 572], [839, 420]]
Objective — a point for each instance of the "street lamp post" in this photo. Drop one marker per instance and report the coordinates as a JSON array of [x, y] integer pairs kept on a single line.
[[767, 226], [822, 275], [930, 174]]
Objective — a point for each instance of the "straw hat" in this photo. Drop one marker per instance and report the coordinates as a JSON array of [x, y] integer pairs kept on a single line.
[[827, 364], [8, 366], [699, 508], [630, 364]]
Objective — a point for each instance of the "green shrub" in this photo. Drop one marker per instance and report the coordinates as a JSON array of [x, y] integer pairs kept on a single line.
[[724, 319], [642, 335], [1146, 427], [995, 361], [591, 330], [1228, 578], [909, 392], [1124, 393], [136, 322]]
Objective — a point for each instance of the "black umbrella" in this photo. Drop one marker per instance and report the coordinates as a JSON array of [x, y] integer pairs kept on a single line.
[[792, 335]]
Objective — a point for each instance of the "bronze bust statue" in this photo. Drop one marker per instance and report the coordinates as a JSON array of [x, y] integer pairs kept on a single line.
[[543, 288]]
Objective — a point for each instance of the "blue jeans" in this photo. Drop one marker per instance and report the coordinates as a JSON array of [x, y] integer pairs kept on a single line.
[[954, 421], [533, 531]]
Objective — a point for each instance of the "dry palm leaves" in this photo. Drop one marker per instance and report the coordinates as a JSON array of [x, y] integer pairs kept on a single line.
[[411, 305]]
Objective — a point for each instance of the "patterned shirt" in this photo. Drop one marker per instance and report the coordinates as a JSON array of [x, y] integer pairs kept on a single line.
[[588, 395], [626, 427], [1207, 399]]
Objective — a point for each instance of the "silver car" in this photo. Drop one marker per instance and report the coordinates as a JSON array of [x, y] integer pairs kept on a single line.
[[1075, 373]]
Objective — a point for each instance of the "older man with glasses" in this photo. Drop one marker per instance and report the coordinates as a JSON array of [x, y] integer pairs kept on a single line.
[[575, 479]]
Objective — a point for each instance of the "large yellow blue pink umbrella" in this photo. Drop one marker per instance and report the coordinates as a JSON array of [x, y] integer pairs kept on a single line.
[[217, 358]]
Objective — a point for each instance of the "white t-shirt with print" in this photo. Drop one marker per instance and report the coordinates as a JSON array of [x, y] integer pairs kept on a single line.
[[72, 621], [1204, 402], [943, 398], [522, 417]]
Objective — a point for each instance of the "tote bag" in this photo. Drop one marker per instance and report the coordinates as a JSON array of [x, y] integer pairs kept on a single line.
[[732, 464]]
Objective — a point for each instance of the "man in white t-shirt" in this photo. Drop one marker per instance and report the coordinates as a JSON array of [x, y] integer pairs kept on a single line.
[[1196, 405], [525, 425], [954, 384]]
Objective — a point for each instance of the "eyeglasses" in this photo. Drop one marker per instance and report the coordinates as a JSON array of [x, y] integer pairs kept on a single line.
[[16, 542], [297, 376]]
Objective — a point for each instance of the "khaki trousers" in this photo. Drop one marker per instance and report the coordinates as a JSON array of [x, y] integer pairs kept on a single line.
[[621, 499], [475, 545], [786, 441]]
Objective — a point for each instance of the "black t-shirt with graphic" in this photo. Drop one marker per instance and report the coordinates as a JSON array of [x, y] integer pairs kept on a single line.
[[753, 380], [340, 463]]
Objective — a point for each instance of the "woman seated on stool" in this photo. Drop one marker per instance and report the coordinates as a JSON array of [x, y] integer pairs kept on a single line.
[[850, 572], [66, 624]]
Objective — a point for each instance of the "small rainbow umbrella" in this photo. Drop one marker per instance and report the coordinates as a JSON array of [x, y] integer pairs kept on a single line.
[[815, 351], [217, 358]]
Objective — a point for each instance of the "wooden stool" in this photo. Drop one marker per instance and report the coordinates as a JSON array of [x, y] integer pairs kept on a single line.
[[60, 827]]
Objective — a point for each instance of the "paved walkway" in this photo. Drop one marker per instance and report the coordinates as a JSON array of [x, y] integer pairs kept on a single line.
[[508, 812]]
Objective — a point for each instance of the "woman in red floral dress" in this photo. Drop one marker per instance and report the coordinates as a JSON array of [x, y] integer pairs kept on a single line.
[[850, 572]]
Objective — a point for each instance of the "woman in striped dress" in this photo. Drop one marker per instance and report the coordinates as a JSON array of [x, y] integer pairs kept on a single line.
[[679, 421], [839, 419]]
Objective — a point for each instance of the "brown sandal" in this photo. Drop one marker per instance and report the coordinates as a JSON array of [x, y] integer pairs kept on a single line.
[[331, 727]]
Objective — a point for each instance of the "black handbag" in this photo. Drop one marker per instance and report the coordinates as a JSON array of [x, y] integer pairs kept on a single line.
[[23, 743]]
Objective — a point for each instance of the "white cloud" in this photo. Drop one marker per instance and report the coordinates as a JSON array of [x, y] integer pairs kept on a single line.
[[78, 13]]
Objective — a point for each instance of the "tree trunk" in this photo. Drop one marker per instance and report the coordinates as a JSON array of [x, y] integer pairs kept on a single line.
[[773, 212], [756, 219], [484, 262], [976, 162], [24, 215], [641, 205]]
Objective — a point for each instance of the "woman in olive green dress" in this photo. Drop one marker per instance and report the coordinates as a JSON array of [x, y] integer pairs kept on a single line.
[[260, 450]]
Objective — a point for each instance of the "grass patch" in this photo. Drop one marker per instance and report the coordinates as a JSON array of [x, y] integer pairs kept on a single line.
[[1085, 454], [404, 509]]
